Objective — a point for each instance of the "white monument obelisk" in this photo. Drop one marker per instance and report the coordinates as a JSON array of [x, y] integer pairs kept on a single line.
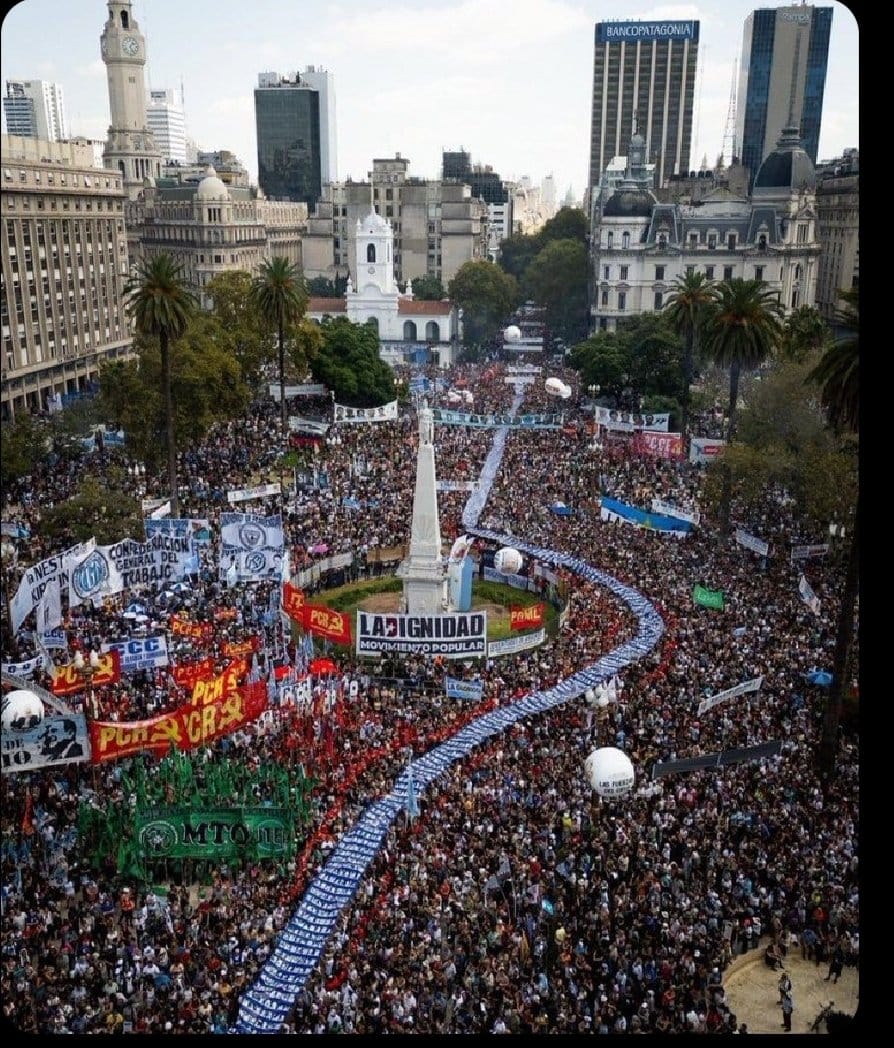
[[422, 570]]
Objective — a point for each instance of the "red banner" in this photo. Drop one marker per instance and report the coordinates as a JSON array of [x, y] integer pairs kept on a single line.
[[293, 602], [661, 445], [185, 628], [526, 618], [186, 676], [236, 649], [224, 614], [187, 728], [67, 680], [325, 622], [207, 691]]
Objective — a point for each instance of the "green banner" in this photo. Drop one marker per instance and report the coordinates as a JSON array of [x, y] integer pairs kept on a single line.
[[708, 598], [214, 833]]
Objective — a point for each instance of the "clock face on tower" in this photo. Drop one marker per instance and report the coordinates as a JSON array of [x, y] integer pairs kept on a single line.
[[130, 45]]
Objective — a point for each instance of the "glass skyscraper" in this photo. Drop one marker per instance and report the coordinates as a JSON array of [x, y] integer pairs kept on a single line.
[[643, 71], [782, 78], [287, 116]]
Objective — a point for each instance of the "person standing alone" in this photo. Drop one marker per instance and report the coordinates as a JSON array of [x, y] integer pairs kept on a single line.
[[788, 1006]]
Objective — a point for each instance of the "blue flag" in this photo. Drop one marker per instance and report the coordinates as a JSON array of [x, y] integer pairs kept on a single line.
[[411, 804]]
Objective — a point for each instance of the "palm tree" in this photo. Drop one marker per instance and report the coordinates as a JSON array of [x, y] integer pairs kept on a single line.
[[838, 375], [804, 331], [280, 294], [161, 304], [686, 308], [741, 330]]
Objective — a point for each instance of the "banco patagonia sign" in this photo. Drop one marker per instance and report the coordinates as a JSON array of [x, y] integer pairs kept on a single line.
[[610, 32], [451, 636]]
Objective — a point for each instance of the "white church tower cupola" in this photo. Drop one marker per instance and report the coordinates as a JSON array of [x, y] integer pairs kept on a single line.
[[375, 254]]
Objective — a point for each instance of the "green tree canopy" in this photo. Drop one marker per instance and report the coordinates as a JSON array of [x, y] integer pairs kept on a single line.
[[686, 309], [241, 328], [349, 364], [99, 508], [803, 331], [603, 360], [23, 444], [428, 288], [486, 295], [556, 278], [323, 287], [518, 251]]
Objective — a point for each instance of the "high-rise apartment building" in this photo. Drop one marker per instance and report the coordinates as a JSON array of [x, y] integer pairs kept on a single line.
[[167, 122], [782, 77], [288, 123], [643, 81], [35, 109], [324, 84], [486, 185], [131, 146], [64, 259]]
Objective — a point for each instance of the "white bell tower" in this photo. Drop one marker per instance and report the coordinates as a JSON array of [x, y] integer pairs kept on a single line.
[[375, 254]]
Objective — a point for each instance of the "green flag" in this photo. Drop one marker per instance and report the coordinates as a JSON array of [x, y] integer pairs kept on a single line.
[[708, 598]]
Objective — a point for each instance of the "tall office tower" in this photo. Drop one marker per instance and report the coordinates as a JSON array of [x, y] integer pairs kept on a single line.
[[324, 84], [785, 51], [287, 116], [643, 72], [35, 109], [166, 120], [130, 146]]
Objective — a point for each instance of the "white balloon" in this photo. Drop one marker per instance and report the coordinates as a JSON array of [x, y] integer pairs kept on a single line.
[[22, 710], [555, 387], [610, 772], [460, 548], [508, 561], [512, 333], [565, 391]]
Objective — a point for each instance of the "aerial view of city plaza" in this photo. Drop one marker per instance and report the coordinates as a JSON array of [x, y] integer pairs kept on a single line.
[[430, 606]]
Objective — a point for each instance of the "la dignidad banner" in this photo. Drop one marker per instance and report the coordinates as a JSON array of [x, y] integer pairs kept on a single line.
[[526, 618], [68, 680], [186, 728], [214, 833], [326, 622], [455, 636], [56, 740]]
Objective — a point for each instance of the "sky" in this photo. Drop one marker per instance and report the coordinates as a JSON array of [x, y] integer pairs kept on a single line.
[[507, 80]]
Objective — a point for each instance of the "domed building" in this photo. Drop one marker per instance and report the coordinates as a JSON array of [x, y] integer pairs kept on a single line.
[[639, 246]]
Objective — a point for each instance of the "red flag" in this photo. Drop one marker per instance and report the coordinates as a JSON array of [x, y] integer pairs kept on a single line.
[[28, 817]]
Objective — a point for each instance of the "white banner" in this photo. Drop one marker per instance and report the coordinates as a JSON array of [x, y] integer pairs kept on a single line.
[[251, 531], [807, 594], [307, 389], [456, 485], [298, 424], [148, 505], [48, 613], [730, 693], [140, 653], [107, 570], [524, 369], [246, 494], [162, 511], [752, 542], [257, 565], [513, 644], [36, 579], [630, 420], [383, 413], [56, 740], [23, 669], [804, 552], [519, 380], [454, 636], [668, 509], [705, 449]]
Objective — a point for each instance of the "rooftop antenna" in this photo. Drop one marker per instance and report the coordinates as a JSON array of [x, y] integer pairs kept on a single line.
[[729, 134]]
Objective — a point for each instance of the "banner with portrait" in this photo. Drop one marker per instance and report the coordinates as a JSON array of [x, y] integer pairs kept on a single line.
[[630, 421], [56, 740], [382, 413]]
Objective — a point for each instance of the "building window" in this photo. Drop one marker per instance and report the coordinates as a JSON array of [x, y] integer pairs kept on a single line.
[[731, 242], [659, 272], [712, 241], [659, 299], [693, 240], [604, 299], [610, 240], [758, 272], [606, 272], [622, 301], [727, 272], [690, 270], [370, 252], [625, 240], [624, 271], [762, 242], [662, 240], [802, 232], [709, 272], [795, 298]]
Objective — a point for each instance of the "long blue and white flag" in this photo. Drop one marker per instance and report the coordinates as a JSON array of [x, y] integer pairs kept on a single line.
[[613, 510], [411, 805]]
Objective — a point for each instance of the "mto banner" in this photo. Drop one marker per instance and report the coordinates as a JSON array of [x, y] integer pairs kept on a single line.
[[453, 636]]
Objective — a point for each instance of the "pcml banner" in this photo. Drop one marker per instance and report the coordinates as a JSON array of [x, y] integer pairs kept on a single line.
[[260, 491], [383, 413], [326, 622], [705, 449], [452, 636], [214, 833], [511, 645], [526, 618], [463, 689], [140, 653], [461, 418], [752, 542], [67, 680], [56, 740], [630, 421], [186, 728], [669, 509], [730, 693], [660, 445]]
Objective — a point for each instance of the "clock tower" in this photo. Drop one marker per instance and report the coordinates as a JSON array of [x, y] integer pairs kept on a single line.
[[130, 146]]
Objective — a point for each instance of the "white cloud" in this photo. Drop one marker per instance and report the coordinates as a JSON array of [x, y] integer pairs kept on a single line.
[[92, 69]]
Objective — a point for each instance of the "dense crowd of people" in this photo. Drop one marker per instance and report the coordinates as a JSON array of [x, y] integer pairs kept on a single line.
[[517, 901]]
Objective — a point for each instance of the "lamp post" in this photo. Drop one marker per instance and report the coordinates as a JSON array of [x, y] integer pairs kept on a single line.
[[86, 668]]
